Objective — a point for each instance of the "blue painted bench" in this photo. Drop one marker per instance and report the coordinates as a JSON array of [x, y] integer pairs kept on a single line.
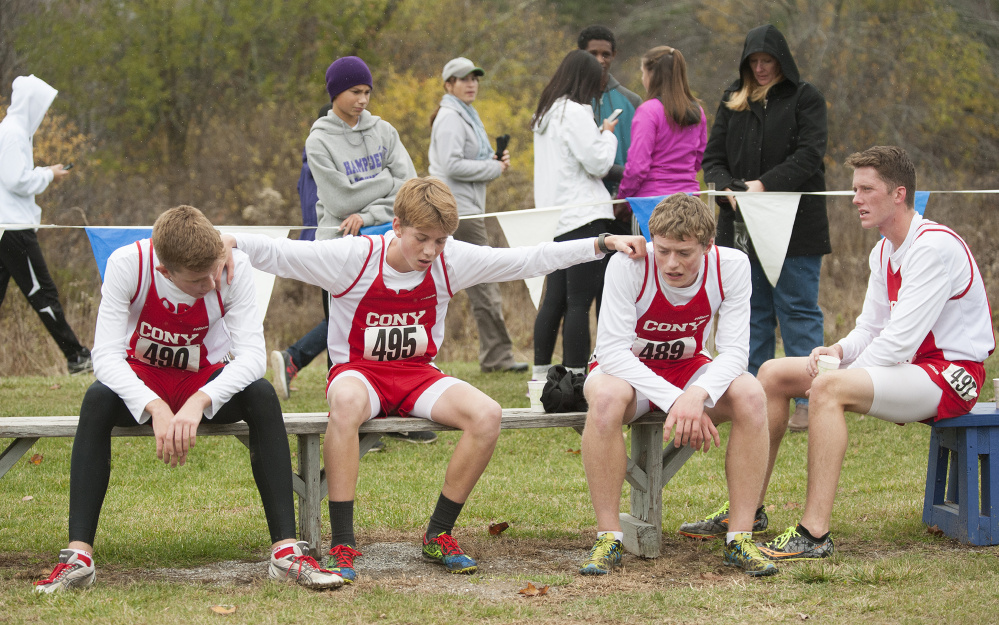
[[962, 476]]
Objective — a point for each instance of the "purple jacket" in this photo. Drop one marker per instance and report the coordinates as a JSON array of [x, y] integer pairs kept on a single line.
[[663, 158]]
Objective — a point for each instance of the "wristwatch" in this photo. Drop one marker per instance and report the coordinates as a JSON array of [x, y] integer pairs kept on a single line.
[[601, 245]]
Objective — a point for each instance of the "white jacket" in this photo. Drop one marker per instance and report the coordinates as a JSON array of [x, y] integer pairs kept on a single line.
[[20, 180], [571, 156]]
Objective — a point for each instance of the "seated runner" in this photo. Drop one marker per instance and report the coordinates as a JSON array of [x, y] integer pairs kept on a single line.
[[164, 329], [651, 353], [389, 298], [916, 352]]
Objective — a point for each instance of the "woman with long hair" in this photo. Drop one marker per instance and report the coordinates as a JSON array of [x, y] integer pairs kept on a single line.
[[668, 133], [770, 135], [571, 156]]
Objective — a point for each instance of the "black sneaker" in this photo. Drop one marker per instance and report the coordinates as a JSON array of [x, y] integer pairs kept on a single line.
[[423, 437], [80, 363], [716, 525], [792, 545]]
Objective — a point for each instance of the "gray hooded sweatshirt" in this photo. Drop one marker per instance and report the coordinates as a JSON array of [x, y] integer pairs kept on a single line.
[[357, 170], [20, 180]]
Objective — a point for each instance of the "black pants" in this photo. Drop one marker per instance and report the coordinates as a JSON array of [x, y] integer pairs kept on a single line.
[[270, 458], [568, 295], [21, 258]]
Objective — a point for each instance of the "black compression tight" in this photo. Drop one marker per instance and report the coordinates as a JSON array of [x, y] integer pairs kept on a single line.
[[270, 459]]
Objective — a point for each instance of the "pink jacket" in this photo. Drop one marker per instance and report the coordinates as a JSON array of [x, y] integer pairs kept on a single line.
[[663, 158]]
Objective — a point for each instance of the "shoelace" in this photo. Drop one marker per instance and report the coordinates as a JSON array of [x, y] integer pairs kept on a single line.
[[300, 562], [719, 511], [783, 539], [344, 555], [602, 548], [448, 545], [56, 573], [748, 547]]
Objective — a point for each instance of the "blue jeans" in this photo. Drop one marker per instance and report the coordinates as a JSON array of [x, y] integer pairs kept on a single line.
[[794, 303], [310, 345]]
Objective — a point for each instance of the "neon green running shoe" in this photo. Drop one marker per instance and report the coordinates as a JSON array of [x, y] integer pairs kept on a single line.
[[743, 553], [444, 549], [605, 555], [716, 524], [791, 545]]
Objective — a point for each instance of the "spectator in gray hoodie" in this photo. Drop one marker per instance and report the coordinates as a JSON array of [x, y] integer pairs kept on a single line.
[[461, 156], [357, 158]]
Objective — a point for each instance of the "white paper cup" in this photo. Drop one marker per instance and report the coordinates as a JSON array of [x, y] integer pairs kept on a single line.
[[995, 388], [534, 388], [827, 363]]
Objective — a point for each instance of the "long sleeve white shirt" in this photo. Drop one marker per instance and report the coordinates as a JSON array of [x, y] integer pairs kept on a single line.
[[616, 329], [935, 267], [571, 156], [117, 319]]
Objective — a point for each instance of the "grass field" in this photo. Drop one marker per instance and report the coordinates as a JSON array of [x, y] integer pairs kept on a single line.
[[174, 542]]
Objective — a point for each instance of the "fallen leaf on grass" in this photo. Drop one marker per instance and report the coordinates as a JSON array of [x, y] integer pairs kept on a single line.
[[711, 577], [792, 505], [27, 498], [533, 591], [933, 530], [495, 529], [572, 451], [36, 459], [803, 617], [224, 610], [55, 387]]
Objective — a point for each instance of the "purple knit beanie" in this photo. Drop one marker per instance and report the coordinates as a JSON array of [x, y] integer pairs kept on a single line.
[[344, 73]]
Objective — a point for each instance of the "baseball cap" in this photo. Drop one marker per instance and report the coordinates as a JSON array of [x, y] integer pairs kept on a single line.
[[461, 67]]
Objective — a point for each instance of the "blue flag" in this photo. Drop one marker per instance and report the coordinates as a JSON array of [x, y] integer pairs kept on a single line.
[[642, 207], [379, 229], [104, 241], [920, 201]]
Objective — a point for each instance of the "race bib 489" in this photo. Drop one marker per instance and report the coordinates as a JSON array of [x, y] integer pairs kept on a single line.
[[679, 349], [394, 342]]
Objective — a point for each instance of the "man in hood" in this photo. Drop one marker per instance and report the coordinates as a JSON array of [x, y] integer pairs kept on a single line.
[[599, 41], [20, 255]]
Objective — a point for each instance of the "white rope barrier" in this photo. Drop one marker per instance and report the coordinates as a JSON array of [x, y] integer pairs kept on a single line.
[[546, 209]]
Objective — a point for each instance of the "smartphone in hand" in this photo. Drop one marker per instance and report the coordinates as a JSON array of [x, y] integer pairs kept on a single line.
[[67, 167], [615, 114], [501, 142]]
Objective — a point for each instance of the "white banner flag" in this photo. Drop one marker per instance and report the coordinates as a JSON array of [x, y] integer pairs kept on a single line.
[[529, 227], [769, 219], [263, 282]]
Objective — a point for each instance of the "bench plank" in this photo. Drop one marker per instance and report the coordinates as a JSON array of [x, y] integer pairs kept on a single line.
[[647, 474]]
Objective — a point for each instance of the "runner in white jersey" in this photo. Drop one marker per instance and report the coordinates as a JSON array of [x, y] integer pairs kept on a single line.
[[651, 353], [164, 329], [389, 298], [916, 352]]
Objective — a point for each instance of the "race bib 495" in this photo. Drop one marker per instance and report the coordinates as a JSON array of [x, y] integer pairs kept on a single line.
[[394, 342]]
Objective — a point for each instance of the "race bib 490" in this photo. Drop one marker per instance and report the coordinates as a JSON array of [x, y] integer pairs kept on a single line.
[[679, 349], [187, 357], [394, 342], [961, 381]]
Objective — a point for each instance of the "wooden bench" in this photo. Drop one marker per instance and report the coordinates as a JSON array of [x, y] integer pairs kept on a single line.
[[650, 467], [962, 476]]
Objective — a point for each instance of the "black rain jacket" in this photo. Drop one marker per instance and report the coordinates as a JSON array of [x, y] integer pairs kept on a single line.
[[780, 142]]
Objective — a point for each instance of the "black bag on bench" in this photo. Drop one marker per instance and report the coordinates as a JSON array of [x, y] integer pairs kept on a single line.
[[563, 391]]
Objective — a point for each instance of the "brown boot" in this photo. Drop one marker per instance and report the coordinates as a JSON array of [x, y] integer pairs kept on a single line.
[[799, 419]]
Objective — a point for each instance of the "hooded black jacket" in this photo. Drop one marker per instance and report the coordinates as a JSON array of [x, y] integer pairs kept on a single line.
[[780, 142]]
